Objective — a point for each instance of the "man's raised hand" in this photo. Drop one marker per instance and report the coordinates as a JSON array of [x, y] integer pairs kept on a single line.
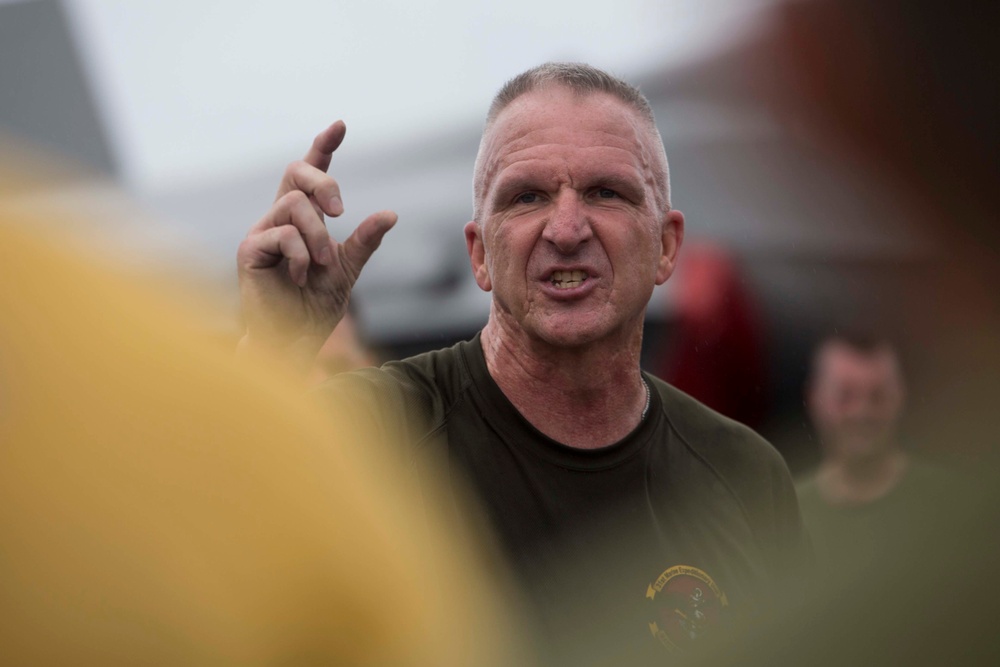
[[295, 279]]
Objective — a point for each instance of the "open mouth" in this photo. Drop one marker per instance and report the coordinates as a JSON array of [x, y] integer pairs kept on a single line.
[[567, 279]]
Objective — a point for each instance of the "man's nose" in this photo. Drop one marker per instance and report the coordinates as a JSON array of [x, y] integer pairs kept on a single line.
[[568, 225], [859, 409]]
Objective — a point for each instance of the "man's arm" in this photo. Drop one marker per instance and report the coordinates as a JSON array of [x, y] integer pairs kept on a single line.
[[295, 279]]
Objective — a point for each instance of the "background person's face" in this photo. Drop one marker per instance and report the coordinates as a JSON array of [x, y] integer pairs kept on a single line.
[[855, 401]]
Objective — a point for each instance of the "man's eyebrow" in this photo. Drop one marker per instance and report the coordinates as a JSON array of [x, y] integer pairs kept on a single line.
[[510, 185], [614, 179], [510, 182], [629, 184]]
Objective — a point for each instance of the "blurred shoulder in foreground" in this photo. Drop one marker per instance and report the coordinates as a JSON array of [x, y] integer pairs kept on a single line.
[[904, 88], [160, 504]]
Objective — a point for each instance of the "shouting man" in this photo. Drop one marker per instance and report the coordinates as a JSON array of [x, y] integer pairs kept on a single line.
[[629, 510]]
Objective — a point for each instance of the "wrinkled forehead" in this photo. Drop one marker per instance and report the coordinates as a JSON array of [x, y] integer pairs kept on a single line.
[[559, 116], [557, 107], [839, 363]]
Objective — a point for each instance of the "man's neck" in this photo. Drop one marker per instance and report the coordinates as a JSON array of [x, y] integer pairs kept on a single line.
[[587, 397], [858, 482]]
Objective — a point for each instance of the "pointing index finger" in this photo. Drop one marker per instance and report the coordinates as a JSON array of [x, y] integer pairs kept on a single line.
[[325, 143]]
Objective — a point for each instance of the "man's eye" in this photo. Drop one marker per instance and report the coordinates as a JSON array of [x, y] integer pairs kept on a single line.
[[606, 193], [527, 198]]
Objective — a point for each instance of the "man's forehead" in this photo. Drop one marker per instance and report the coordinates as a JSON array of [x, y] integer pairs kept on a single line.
[[839, 361], [556, 107], [607, 166], [556, 122]]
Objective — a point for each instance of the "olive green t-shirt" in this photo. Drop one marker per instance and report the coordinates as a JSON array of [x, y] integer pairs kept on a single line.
[[678, 532], [848, 539]]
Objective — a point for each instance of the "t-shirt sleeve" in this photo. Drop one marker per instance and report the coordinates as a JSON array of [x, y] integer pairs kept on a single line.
[[397, 407]]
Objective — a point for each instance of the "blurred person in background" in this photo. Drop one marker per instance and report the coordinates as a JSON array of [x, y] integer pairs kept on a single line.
[[905, 90], [638, 520], [901, 92], [867, 487], [146, 516]]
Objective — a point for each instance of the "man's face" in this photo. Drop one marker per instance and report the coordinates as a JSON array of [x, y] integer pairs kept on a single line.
[[571, 239], [855, 400]]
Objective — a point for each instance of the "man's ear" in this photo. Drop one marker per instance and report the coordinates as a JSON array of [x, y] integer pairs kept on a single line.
[[477, 255], [671, 238]]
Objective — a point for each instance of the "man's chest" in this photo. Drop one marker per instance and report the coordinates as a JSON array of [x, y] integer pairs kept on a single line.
[[655, 536]]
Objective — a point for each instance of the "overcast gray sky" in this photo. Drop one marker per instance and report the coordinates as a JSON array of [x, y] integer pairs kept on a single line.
[[194, 88]]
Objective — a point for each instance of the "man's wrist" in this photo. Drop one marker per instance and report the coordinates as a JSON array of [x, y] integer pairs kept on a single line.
[[297, 356]]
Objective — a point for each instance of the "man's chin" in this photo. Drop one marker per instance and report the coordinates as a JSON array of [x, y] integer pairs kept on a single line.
[[571, 328], [860, 450], [572, 332]]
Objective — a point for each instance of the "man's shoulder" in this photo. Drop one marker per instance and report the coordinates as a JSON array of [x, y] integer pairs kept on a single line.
[[404, 400], [433, 363], [748, 467], [927, 480], [719, 440], [444, 374], [806, 486], [423, 385]]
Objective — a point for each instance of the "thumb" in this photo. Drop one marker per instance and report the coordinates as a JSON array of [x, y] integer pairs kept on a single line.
[[365, 240]]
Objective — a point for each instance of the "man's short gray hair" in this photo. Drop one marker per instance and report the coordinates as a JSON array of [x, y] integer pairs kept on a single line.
[[583, 79], [579, 77]]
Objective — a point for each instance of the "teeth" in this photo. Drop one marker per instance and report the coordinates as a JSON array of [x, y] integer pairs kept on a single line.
[[568, 279]]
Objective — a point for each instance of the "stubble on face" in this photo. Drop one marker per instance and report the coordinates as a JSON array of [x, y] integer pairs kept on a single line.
[[568, 183], [855, 403]]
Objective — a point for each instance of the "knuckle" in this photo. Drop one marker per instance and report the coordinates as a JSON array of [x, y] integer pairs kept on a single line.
[[246, 248], [330, 183], [294, 199], [314, 236], [287, 233]]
